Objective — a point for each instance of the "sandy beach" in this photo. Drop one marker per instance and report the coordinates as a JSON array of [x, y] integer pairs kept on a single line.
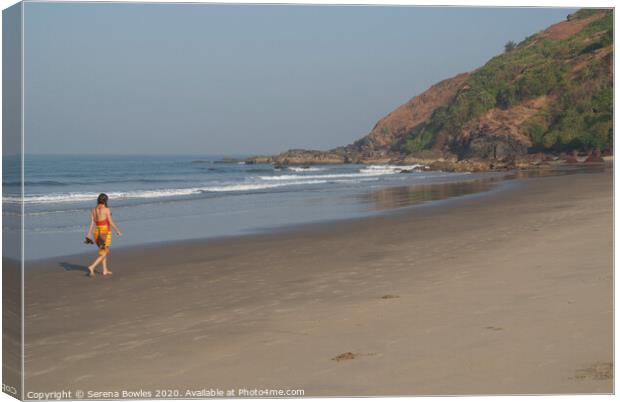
[[507, 293]]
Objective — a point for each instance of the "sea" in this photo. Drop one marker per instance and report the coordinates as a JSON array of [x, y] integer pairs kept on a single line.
[[163, 198]]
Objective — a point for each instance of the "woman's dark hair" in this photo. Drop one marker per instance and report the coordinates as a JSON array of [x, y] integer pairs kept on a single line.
[[102, 199]]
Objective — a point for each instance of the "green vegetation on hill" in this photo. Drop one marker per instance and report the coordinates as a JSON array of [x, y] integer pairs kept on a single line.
[[574, 72]]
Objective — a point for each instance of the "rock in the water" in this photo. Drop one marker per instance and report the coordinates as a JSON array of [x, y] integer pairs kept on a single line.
[[228, 160], [259, 160], [309, 157], [571, 158], [595, 157]]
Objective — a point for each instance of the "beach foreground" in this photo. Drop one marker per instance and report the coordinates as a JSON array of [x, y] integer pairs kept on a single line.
[[506, 293]]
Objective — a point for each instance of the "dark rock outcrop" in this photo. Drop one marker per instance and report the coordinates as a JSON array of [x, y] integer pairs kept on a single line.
[[572, 157], [595, 157], [493, 146]]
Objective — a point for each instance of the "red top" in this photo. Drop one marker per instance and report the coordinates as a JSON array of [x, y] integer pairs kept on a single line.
[[103, 222], [106, 221]]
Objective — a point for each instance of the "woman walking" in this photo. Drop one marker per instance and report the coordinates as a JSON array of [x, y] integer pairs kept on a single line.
[[101, 221]]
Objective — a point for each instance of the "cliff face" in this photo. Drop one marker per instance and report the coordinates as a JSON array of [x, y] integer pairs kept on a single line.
[[551, 93], [498, 133]]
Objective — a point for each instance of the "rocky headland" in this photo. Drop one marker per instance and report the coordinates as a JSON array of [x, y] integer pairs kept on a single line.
[[544, 101]]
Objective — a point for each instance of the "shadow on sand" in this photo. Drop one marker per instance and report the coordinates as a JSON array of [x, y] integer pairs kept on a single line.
[[67, 266]]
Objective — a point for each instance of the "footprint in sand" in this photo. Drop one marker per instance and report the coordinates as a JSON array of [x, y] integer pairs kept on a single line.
[[494, 328], [385, 297]]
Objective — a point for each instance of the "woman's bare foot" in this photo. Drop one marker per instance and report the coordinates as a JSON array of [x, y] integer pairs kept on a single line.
[[91, 271], [108, 272]]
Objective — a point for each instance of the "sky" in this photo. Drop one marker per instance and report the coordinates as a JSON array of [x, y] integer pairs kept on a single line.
[[118, 78]]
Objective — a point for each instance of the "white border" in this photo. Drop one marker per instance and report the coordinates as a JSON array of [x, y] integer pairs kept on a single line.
[[434, 3], [458, 3]]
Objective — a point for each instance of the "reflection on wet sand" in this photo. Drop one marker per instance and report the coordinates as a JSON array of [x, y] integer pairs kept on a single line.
[[396, 197], [558, 170], [402, 196]]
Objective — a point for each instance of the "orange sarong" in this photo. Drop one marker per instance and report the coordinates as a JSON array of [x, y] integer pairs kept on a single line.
[[103, 236]]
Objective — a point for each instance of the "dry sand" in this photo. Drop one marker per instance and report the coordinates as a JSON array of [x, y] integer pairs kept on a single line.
[[506, 293]]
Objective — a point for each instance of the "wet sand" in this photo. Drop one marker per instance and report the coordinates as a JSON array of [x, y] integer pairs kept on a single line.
[[508, 293]]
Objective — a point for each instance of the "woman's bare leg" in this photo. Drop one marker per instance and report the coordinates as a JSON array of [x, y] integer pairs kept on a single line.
[[106, 271], [91, 267]]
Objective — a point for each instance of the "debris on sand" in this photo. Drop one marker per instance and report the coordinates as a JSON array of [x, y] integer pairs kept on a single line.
[[345, 356], [597, 371]]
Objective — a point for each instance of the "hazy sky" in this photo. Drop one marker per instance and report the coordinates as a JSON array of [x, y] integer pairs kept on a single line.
[[211, 79]]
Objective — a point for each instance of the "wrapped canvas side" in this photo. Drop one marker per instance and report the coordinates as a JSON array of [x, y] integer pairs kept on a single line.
[[12, 206]]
